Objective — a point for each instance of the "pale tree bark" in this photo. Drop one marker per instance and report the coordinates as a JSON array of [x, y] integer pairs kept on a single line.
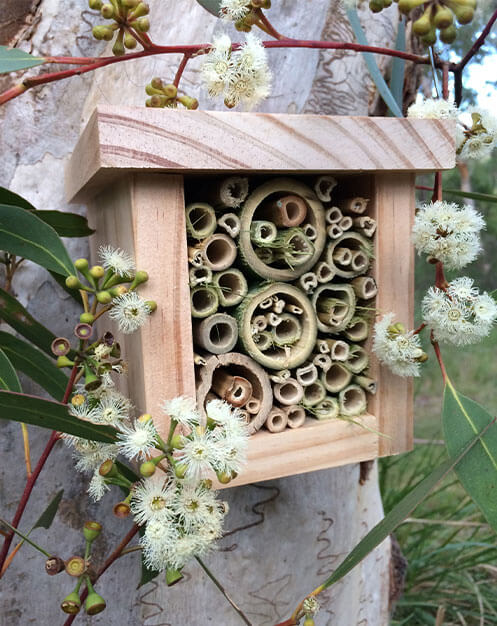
[[286, 535]]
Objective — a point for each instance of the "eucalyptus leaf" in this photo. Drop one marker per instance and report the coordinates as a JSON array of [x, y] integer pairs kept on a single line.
[[398, 65], [47, 517], [8, 375], [14, 59], [472, 195], [14, 199], [213, 6], [146, 574]]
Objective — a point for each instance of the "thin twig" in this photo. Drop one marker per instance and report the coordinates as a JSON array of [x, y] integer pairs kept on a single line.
[[27, 452], [438, 354], [478, 43], [181, 69], [268, 27]]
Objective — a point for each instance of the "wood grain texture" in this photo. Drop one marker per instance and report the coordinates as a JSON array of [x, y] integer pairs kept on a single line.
[[128, 138]]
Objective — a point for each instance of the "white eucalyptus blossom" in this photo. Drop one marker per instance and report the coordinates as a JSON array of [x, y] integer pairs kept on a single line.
[[117, 260], [185, 548], [183, 410], [194, 505], [217, 66], [137, 441], [97, 487], [399, 350], [85, 411], [199, 455], [130, 311], [157, 541], [102, 352], [90, 455], [152, 500], [234, 10], [477, 140], [430, 108], [112, 409], [448, 232]]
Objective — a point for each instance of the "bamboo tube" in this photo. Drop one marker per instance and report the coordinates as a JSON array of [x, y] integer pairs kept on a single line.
[[200, 276], [263, 340], [204, 301], [336, 378], [322, 346], [263, 232], [195, 257], [310, 232], [334, 305], [368, 384], [295, 416], [228, 193], [339, 350], [217, 333], [288, 392], [364, 287], [352, 401], [279, 306], [292, 247], [200, 220], [265, 255], [365, 225], [230, 223], [280, 376], [273, 319], [259, 323], [288, 211], [345, 223], [277, 357], [244, 415], [355, 243], [218, 251], [323, 187], [355, 205], [327, 409], [333, 215], [236, 390], [267, 303], [358, 359], [307, 374], [253, 208], [198, 359], [324, 273], [357, 330], [313, 394], [288, 331], [343, 256], [322, 361], [276, 421], [293, 308], [360, 261], [334, 231], [231, 286], [253, 405], [308, 281]]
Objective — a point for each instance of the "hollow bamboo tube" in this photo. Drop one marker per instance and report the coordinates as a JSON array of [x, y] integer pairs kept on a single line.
[[356, 244], [333, 215], [314, 394], [218, 251], [198, 359], [217, 333], [322, 346], [331, 309], [263, 340], [288, 392], [293, 308], [244, 415], [355, 205], [280, 376], [339, 350], [358, 359], [333, 318], [228, 193], [259, 323], [279, 306], [345, 223], [204, 301], [323, 187], [230, 223], [342, 256], [364, 287], [359, 261], [310, 232], [276, 421], [327, 409], [334, 231], [288, 331], [236, 390], [200, 220], [288, 211], [295, 416], [293, 247], [263, 232], [336, 378], [253, 405], [267, 303], [231, 286], [306, 374], [352, 401], [367, 383], [357, 330], [324, 273], [200, 276], [365, 225], [273, 319], [322, 361], [265, 255], [195, 257], [308, 281]]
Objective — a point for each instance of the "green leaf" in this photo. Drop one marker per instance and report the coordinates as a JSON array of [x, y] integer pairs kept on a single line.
[[373, 68], [20, 407], [25, 235], [47, 517], [398, 66], [213, 6], [146, 574], [34, 364], [8, 375], [462, 419], [14, 199], [13, 59], [473, 195]]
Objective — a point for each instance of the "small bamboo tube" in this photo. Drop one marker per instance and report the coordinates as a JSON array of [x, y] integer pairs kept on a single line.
[[364, 287], [288, 211], [352, 401], [293, 247], [204, 301], [263, 232], [314, 394], [307, 374], [200, 276], [217, 333], [229, 193], [276, 421], [324, 272], [219, 252], [230, 223], [334, 305], [288, 331], [308, 281], [231, 286], [342, 256], [236, 390], [368, 384], [279, 306], [266, 255], [310, 232], [358, 359], [244, 415], [327, 409], [198, 359], [259, 323], [288, 392], [263, 340], [336, 378], [295, 416], [273, 319], [365, 225], [323, 187], [253, 405], [339, 350], [322, 361], [346, 223], [331, 310], [359, 261], [333, 215], [358, 245], [195, 257], [200, 220], [293, 308], [355, 205], [323, 346], [280, 376], [357, 330], [334, 231]]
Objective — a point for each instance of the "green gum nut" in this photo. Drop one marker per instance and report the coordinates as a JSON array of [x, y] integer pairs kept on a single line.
[[94, 603], [170, 91], [443, 17], [156, 83], [97, 271], [129, 41], [86, 318], [190, 103], [141, 10], [71, 603], [177, 442], [448, 35], [376, 5], [147, 469], [464, 14], [423, 25], [107, 11], [180, 470], [104, 297], [63, 361], [130, 4], [143, 24], [81, 264], [108, 469], [152, 304], [91, 530], [431, 38], [118, 47], [73, 282], [102, 32], [96, 5], [151, 91]]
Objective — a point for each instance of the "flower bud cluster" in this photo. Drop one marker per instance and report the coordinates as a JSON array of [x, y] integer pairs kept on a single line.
[[244, 13], [166, 96], [129, 20]]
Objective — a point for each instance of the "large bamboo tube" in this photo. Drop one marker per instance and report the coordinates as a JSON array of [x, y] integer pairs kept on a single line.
[[288, 331], [327, 409], [217, 333], [236, 390], [288, 211], [314, 394], [240, 365], [334, 305], [263, 232], [364, 287], [352, 401], [365, 225], [336, 378], [278, 357], [355, 243], [358, 359], [200, 220], [218, 251], [323, 187], [253, 210], [204, 301], [368, 384], [288, 392], [276, 421], [357, 330], [295, 416], [228, 193], [231, 286], [230, 223], [356, 205]]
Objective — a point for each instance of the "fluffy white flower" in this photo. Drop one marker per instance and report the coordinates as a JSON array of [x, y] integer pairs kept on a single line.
[[117, 260], [194, 505], [448, 232], [97, 487], [101, 352], [199, 454], [217, 66], [432, 109], [137, 441], [400, 351], [91, 454], [152, 500], [112, 409], [183, 410], [479, 139], [185, 548], [234, 10], [84, 412], [157, 540], [130, 311]]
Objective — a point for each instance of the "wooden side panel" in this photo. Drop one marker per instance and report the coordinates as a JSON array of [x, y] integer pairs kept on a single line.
[[393, 198]]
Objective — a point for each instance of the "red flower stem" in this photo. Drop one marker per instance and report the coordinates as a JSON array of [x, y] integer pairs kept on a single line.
[[181, 69], [437, 187], [113, 557], [30, 483], [477, 45], [436, 347], [440, 281], [269, 28], [419, 329], [445, 81]]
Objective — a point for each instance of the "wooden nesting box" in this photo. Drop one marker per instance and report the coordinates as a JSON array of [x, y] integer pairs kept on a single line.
[[131, 166]]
